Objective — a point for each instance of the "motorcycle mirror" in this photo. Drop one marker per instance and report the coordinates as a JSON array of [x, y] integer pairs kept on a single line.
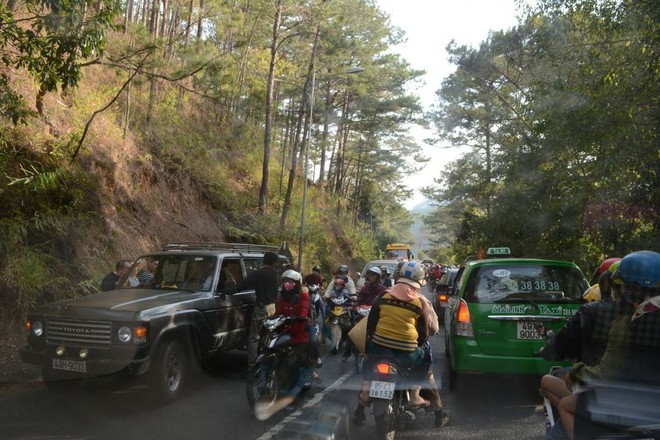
[[359, 274]]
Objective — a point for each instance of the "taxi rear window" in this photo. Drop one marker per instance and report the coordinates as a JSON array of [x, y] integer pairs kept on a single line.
[[549, 283]]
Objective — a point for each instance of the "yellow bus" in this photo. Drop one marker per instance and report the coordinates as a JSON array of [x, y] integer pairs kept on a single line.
[[399, 251]]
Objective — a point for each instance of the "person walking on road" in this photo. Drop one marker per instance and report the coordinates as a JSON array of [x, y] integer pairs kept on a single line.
[[265, 283]]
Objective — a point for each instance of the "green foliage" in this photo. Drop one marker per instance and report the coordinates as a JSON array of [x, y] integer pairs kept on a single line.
[[51, 41], [561, 114]]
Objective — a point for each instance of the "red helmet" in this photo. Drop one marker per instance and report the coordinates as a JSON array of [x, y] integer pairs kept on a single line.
[[606, 264]]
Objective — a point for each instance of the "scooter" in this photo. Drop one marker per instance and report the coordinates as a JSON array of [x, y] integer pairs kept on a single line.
[[339, 320], [277, 372], [390, 397]]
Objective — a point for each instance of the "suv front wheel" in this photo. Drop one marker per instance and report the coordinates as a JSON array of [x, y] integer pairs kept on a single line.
[[168, 372]]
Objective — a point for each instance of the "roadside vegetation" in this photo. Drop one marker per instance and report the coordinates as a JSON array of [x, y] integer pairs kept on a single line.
[[560, 118], [124, 125]]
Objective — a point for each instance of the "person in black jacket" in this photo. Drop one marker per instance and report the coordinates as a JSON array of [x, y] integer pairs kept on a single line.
[[265, 282], [110, 281]]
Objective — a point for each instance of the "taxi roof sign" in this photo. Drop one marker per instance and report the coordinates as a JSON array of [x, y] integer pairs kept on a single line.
[[498, 251]]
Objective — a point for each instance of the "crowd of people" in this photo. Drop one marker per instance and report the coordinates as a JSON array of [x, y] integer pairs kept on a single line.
[[615, 334]]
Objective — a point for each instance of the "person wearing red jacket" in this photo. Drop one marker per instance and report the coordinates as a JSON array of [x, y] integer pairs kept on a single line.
[[294, 301]]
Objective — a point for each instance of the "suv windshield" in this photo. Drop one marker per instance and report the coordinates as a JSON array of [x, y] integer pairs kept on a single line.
[[182, 272], [497, 283]]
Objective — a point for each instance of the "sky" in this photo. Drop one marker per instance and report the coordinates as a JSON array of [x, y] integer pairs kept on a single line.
[[429, 25]]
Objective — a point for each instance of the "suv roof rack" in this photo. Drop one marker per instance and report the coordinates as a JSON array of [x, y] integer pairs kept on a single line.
[[205, 245]]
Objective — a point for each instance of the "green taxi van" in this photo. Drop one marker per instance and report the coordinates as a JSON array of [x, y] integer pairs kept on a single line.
[[501, 310]]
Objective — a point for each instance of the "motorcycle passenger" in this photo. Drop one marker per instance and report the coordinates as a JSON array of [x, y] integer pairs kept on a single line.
[[385, 277], [371, 290], [294, 301], [316, 278], [583, 339], [342, 272], [633, 344], [318, 307], [430, 389], [337, 289], [397, 328]]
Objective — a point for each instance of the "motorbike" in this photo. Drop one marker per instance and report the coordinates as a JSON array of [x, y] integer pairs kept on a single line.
[[339, 320], [315, 299], [361, 312], [278, 367], [390, 396]]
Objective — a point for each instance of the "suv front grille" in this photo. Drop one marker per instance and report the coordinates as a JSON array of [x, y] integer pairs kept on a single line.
[[79, 333]]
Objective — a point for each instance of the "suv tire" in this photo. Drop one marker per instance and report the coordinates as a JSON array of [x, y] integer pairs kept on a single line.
[[168, 373]]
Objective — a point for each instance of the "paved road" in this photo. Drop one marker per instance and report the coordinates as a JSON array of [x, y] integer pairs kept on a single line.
[[215, 407]]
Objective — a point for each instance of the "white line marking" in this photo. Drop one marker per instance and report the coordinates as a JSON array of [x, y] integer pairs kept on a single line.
[[316, 399]]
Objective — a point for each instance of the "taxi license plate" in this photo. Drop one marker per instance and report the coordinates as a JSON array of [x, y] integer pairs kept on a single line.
[[381, 390], [67, 365], [526, 330]]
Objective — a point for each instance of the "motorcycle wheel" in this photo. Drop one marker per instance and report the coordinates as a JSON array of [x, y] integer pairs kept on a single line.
[[335, 334], [385, 424], [359, 361], [262, 385]]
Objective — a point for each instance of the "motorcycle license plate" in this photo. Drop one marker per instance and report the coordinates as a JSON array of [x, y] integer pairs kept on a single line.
[[66, 365], [381, 390]]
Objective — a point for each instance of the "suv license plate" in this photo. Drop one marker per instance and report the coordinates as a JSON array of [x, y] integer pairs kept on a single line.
[[381, 390], [526, 330], [66, 365]]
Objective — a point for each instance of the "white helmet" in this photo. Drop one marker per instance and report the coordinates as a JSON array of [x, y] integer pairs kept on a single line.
[[373, 269], [413, 273], [292, 275]]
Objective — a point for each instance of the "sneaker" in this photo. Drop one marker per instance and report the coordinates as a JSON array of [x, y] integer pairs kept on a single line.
[[441, 419]]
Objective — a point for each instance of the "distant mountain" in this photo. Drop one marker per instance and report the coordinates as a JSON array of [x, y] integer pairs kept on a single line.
[[423, 208]]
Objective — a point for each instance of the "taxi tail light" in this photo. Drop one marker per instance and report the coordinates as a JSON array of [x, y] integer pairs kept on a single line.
[[463, 324]]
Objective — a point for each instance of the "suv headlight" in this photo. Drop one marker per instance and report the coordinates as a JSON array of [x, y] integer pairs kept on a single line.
[[138, 335], [125, 334], [37, 328]]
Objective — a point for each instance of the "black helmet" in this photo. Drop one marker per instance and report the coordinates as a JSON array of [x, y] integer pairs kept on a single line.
[[316, 268], [343, 269]]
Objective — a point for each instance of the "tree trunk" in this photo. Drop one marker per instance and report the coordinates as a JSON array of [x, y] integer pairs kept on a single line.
[[263, 193], [303, 108]]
